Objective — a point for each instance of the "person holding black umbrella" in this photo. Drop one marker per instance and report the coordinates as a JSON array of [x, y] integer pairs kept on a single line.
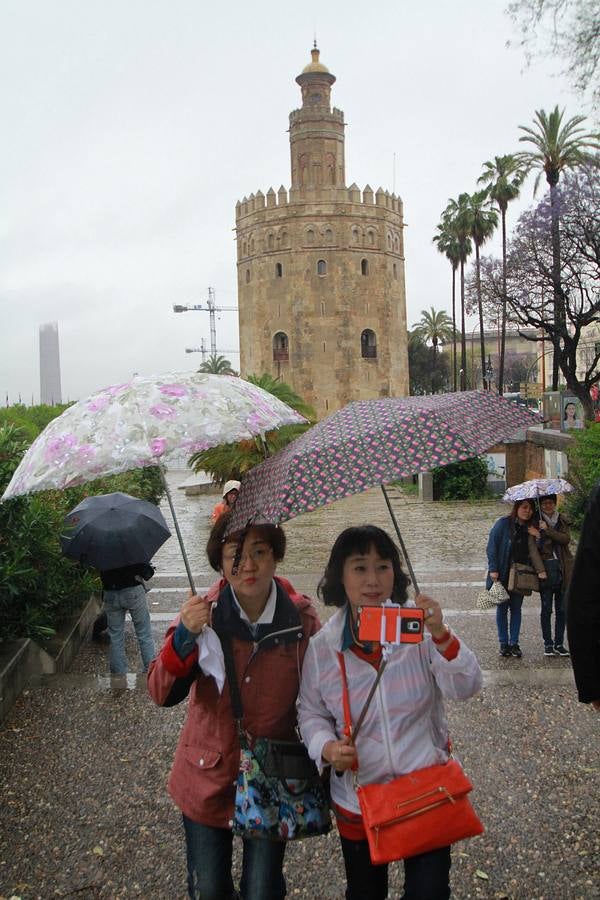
[[118, 535]]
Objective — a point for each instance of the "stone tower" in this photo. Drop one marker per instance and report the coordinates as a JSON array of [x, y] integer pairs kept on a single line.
[[321, 291]]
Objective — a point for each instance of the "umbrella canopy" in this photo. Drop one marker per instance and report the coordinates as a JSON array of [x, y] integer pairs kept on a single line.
[[109, 531], [537, 487], [373, 442], [141, 423]]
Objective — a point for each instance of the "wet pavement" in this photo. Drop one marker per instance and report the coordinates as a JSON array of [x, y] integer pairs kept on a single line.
[[84, 757]]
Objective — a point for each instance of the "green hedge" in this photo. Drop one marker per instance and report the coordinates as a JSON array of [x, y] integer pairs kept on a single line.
[[466, 480], [39, 588], [584, 470]]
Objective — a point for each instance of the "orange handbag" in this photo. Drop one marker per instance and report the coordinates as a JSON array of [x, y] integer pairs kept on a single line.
[[417, 812]]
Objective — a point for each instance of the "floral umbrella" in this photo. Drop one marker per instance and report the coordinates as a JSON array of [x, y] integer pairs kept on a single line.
[[537, 487], [143, 422], [373, 442]]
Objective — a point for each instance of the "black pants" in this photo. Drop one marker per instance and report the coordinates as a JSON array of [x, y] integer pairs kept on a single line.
[[426, 877]]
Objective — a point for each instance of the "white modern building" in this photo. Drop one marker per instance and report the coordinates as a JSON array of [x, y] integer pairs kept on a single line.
[[50, 390]]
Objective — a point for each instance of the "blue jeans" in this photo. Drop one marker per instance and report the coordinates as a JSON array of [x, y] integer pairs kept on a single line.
[[209, 852], [426, 876], [117, 603], [513, 604]]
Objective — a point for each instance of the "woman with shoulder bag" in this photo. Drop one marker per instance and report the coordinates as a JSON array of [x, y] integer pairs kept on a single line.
[[262, 627], [403, 729], [553, 543], [512, 541]]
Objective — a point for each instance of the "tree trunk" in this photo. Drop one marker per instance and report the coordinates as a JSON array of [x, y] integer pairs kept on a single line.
[[454, 327], [558, 305], [463, 337], [503, 320], [480, 310]]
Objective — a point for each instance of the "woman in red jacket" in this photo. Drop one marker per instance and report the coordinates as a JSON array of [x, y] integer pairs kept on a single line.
[[269, 625]]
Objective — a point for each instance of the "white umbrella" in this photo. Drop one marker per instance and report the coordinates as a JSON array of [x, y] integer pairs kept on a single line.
[[143, 422]]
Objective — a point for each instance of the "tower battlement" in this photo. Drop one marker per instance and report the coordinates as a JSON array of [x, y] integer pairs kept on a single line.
[[300, 115], [295, 198]]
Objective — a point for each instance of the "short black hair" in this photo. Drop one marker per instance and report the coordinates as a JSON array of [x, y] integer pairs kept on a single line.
[[273, 535], [360, 539]]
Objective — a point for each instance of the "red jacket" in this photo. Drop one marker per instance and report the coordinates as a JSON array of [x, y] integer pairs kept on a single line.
[[204, 772]]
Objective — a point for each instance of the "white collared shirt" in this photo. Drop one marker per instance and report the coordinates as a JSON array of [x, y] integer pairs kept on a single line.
[[266, 616]]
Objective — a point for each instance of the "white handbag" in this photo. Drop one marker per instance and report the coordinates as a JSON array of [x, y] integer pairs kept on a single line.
[[489, 599]]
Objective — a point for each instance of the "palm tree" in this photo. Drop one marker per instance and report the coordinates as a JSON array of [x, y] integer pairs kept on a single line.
[[557, 147], [455, 220], [447, 244], [435, 327], [217, 365], [481, 221], [503, 177]]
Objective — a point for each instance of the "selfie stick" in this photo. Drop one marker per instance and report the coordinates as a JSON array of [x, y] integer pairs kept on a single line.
[[400, 541]]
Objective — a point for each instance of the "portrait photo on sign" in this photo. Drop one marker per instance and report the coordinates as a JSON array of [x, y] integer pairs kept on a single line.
[[571, 413]]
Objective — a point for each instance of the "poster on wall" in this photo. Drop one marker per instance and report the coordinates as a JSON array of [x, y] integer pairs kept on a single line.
[[571, 413]]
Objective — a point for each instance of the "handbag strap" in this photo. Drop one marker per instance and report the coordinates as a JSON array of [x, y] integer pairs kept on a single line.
[[350, 731], [234, 691]]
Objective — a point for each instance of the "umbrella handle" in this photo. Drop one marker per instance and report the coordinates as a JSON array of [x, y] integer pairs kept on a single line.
[[400, 541], [186, 561]]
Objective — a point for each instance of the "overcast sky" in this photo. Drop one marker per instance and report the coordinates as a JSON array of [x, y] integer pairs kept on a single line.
[[131, 127]]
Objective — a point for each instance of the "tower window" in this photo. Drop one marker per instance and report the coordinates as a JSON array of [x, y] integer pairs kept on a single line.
[[247, 275], [372, 238], [322, 307], [284, 239], [321, 267], [278, 270], [310, 236], [355, 235], [271, 241], [395, 271], [364, 267], [281, 350], [328, 236], [368, 344]]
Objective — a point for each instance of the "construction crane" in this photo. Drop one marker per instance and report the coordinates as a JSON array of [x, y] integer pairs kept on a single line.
[[202, 349], [211, 309]]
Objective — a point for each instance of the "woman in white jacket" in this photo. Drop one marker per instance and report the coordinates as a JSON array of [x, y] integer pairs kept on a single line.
[[405, 727]]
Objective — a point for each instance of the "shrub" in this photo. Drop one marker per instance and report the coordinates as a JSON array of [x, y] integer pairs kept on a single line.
[[39, 587], [466, 480], [584, 470]]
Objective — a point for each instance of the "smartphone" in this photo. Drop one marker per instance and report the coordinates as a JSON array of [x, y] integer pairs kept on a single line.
[[391, 624]]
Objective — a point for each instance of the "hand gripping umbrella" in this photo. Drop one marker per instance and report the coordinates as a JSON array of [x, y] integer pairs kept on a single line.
[[143, 422], [373, 442], [109, 531]]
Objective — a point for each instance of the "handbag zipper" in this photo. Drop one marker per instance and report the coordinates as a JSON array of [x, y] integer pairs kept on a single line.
[[417, 812]]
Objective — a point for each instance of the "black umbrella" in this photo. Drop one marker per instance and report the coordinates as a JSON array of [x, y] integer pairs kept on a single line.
[[109, 531]]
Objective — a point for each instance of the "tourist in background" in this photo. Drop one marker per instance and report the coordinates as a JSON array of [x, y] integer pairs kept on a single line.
[[553, 544], [512, 540], [230, 493]]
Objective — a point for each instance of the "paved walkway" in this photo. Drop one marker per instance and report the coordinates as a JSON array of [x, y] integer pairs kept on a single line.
[[84, 757]]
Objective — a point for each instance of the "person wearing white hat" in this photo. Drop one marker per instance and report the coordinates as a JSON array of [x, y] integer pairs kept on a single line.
[[231, 490]]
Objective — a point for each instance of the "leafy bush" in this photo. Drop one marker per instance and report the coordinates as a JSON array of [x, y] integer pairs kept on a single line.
[[39, 588], [584, 470], [466, 480]]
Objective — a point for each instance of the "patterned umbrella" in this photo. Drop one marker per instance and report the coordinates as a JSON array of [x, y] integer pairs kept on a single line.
[[143, 422], [373, 442], [537, 487]]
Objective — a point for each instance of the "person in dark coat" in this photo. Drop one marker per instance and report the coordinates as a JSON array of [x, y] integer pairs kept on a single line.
[[512, 540], [583, 606]]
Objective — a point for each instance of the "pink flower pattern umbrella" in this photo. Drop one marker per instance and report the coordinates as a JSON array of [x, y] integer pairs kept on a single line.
[[373, 442], [143, 422]]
